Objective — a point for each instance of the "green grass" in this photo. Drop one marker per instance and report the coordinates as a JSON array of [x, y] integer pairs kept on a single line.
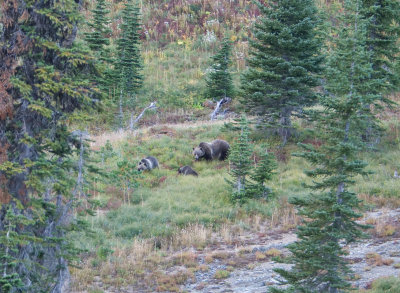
[[177, 202], [381, 182], [165, 202], [384, 285]]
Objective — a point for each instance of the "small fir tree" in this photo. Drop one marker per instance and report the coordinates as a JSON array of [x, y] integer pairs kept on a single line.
[[262, 173], [107, 152], [98, 36], [240, 161], [98, 40], [87, 172], [284, 64], [219, 80], [10, 239], [125, 177], [129, 62], [331, 208]]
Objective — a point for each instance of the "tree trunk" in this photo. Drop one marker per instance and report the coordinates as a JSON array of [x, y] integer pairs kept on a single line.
[[240, 184], [133, 122], [121, 113], [285, 125]]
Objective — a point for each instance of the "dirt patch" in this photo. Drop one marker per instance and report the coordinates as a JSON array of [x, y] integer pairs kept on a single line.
[[248, 259], [163, 130]]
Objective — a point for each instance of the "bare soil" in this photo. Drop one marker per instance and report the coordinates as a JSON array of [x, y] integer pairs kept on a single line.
[[246, 262]]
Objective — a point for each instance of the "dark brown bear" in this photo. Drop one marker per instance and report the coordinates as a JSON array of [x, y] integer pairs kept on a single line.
[[187, 170], [215, 150]]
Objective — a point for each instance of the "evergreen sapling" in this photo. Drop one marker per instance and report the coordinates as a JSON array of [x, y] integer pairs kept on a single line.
[[263, 172], [129, 62], [98, 40], [219, 80], [240, 162]]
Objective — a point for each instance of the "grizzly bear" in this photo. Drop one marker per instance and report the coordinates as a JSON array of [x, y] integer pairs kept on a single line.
[[215, 150], [147, 163], [187, 170]]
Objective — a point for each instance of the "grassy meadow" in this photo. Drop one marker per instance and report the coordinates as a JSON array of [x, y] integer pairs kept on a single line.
[[168, 213]]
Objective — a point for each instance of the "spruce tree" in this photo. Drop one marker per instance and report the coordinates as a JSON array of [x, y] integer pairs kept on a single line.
[[45, 77], [284, 63], [219, 80], [331, 208], [262, 173], [383, 31], [9, 241], [129, 61], [98, 40], [240, 162]]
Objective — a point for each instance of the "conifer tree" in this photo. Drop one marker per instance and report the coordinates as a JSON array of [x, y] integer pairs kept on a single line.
[[219, 79], [45, 77], [262, 173], [240, 161], [129, 61], [10, 239], [284, 64], [331, 208], [383, 31], [98, 39]]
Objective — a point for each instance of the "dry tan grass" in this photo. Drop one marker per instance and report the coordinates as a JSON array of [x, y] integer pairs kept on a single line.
[[226, 233], [273, 252], [383, 225], [380, 201], [285, 216], [186, 258], [221, 254], [208, 258], [376, 259], [259, 255], [193, 235], [243, 250], [117, 136]]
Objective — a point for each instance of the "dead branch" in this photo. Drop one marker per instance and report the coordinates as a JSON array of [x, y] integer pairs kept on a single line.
[[133, 122], [218, 106]]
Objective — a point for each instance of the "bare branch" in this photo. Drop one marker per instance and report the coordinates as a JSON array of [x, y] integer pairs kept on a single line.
[[133, 122], [218, 106]]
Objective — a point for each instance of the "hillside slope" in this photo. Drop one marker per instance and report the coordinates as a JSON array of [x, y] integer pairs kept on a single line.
[[170, 220]]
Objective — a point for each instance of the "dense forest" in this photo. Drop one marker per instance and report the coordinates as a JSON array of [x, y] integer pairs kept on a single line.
[[283, 115]]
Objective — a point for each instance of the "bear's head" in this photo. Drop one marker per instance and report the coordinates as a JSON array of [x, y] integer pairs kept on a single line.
[[180, 170], [198, 152], [143, 165]]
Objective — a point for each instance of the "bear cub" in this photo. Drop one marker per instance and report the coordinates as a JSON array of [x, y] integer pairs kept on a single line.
[[147, 163], [215, 150], [187, 170]]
